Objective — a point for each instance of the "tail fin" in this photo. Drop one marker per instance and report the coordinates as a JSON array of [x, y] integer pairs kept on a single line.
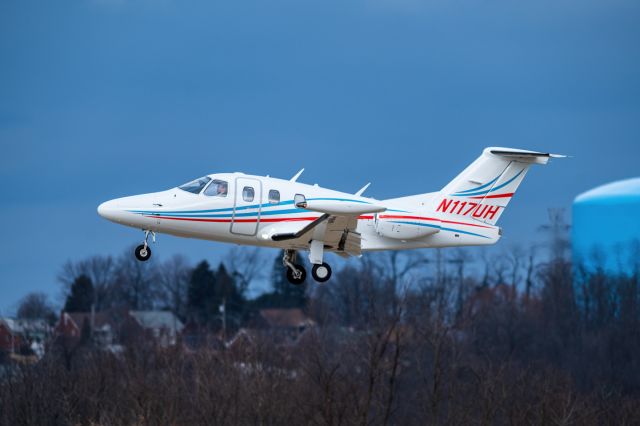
[[483, 190]]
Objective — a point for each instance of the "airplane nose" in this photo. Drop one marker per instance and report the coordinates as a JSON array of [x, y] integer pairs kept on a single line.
[[128, 211], [108, 210]]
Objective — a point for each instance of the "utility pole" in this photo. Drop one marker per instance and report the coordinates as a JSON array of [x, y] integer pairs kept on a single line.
[[223, 312]]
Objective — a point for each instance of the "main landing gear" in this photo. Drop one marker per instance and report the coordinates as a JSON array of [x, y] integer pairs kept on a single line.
[[296, 273], [321, 273], [143, 251]]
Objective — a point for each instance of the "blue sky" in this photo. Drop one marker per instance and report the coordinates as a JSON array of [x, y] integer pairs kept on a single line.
[[106, 98]]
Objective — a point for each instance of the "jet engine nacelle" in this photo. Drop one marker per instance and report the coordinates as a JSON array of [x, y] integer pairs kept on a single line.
[[404, 228]]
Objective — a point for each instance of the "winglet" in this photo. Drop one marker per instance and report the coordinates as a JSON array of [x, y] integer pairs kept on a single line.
[[295, 178], [361, 190]]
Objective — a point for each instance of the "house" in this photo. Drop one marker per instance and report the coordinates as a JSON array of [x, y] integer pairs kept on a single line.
[[23, 335], [281, 325], [98, 326], [10, 335], [291, 320], [163, 326], [108, 329]]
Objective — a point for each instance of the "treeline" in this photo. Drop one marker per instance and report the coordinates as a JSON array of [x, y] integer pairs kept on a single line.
[[433, 337], [193, 293]]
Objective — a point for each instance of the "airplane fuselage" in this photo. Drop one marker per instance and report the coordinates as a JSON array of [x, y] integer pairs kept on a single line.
[[254, 206]]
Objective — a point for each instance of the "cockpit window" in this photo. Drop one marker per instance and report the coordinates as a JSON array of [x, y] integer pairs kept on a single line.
[[217, 188], [195, 186]]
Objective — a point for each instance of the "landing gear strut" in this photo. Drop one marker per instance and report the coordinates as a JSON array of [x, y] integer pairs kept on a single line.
[[143, 252], [321, 271], [295, 273]]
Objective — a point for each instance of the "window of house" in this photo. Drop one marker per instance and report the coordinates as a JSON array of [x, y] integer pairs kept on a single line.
[[248, 193], [274, 196]]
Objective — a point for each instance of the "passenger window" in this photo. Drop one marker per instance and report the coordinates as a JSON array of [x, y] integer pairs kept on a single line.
[[274, 196], [247, 193], [217, 188]]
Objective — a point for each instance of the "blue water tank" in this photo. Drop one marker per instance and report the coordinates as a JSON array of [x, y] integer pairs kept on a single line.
[[606, 227]]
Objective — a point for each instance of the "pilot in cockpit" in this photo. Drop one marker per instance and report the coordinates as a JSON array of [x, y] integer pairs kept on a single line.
[[217, 188], [222, 189]]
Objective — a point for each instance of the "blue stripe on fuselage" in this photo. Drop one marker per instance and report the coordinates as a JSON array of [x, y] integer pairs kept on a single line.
[[186, 213]]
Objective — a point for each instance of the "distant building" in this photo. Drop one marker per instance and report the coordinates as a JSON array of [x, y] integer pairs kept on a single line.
[[109, 329], [10, 336], [284, 326], [292, 320], [163, 326], [606, 227], [23, 335], [100, 328]]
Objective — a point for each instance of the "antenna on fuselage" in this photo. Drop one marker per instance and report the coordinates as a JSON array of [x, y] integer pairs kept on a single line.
[[361, 190], [295, 178]]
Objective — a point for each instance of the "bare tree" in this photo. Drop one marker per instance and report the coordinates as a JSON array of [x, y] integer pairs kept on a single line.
[[36, 306], [173, 282], [514, 257], [459, 259], [529, 273], [247, 264], [134, 283], [100, 269]]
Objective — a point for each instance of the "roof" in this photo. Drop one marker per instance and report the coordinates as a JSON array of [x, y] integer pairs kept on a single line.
[[628, 189], [100, 319], [157, 320], [293, 317], [12, 325], [24, 325]]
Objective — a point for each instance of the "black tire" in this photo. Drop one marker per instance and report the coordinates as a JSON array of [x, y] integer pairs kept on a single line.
[[321, 273], [296, 281], [143, 254]]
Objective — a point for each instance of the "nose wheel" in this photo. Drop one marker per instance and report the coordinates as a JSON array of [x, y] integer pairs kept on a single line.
[[143, 251], [321, 273]]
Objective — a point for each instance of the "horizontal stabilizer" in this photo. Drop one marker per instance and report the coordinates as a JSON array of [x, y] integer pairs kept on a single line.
[[524, 155]]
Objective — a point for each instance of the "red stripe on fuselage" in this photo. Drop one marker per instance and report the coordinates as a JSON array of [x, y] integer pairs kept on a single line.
[[465, 223], [192, 219], [308, 218], [509, 195], [389, 216], [432, 219]]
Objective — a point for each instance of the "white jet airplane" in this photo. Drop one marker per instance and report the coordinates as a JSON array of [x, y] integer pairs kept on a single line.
[[285, 214]]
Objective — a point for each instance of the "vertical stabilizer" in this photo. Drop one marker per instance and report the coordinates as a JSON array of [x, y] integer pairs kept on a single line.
[[483, 190]]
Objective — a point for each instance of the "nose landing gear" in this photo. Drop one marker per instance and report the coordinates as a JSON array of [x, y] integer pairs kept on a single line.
[[143, 251]]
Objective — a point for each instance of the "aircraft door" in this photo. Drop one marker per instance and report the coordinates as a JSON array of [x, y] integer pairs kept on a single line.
[[246, 206]]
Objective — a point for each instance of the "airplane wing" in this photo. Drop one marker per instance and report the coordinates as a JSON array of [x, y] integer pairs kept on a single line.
[[336, 227]]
